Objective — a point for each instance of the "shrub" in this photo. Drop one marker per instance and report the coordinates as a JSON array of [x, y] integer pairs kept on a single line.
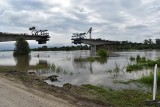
[[138, 58], [132, 58], [102, 53], [21, 47]]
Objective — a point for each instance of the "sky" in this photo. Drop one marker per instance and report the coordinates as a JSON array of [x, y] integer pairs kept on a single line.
[[117, 20]]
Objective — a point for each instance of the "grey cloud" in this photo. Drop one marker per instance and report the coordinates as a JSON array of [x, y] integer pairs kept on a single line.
[[130, 4], [28, 4], [116, 26], [136, 27]]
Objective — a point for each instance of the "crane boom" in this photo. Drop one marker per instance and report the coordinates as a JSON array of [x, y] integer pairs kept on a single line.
[[89, 31]]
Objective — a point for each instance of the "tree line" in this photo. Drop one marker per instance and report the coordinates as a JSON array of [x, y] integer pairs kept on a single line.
[[147, 44], [63, 48], [22, 46]]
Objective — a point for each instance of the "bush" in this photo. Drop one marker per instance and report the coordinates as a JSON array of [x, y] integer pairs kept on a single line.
[[21, 47], [132, 58], [102, 53], [138, 58]]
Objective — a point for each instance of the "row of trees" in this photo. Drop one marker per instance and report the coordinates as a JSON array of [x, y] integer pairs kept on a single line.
[[147, 44], [63, 48], [22, 46]]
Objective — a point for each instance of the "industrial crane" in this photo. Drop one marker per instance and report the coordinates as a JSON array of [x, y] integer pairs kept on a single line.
[[89, 31], [82, 35], [38, 32]]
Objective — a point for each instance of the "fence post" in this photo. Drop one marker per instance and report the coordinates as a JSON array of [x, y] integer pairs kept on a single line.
[[155, 83], [154, 101]]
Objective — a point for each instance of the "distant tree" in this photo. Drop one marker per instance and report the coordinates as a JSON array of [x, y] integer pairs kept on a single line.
[[158, 41], [145, 42], [150, 41], [44, 47], [21, 47], [124, 42]]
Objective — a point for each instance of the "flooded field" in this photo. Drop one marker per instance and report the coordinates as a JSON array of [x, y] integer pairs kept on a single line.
[[69, 69]]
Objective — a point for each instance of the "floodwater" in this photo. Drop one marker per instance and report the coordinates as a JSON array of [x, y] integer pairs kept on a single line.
[[65, 65]]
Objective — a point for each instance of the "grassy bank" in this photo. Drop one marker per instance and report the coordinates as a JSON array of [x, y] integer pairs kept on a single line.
[[121, 98]]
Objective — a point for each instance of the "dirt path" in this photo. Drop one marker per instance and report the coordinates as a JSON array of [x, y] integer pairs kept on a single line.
[[13, 94]]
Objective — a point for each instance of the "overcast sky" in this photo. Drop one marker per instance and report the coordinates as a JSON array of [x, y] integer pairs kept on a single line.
[[132, 20]]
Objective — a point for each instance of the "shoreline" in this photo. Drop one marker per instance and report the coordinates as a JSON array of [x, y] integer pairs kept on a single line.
[[35, 83], [81, 96]]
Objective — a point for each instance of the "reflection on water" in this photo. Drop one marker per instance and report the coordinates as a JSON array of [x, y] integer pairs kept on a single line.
[[74, 67]]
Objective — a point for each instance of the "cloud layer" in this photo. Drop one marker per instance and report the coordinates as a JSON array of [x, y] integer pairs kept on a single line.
[[132, 20]]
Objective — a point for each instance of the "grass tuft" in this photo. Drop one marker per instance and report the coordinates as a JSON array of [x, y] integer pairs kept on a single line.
[[149, 79], [134, 67]]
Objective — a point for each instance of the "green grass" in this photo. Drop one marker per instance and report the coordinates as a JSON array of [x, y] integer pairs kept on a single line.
[[124, 82], [141, 63], [5, 69], [134, 67], [118, 98], [149, 79], [102, 53]]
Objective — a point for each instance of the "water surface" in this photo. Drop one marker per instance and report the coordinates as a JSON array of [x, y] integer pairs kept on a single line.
[[69, 70]]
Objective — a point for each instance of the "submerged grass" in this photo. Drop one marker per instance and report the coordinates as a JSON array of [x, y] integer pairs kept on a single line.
[[91, 59], [114, 72], [88, 59], [141, 63], [132, 58], [134, 67]]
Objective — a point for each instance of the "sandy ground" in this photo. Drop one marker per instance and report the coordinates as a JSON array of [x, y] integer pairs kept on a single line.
[[15, 94]]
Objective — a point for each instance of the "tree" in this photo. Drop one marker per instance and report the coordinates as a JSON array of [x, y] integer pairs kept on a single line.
[[102, 53], [21, 47], [158, 41], [145, 42], [150, 41]]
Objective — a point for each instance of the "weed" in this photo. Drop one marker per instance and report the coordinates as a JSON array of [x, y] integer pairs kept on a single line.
[[134, 67], [71, 73], [132, 58], [91, 59], [149, 79], [102, 53], [138, 58], [115, 70]]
